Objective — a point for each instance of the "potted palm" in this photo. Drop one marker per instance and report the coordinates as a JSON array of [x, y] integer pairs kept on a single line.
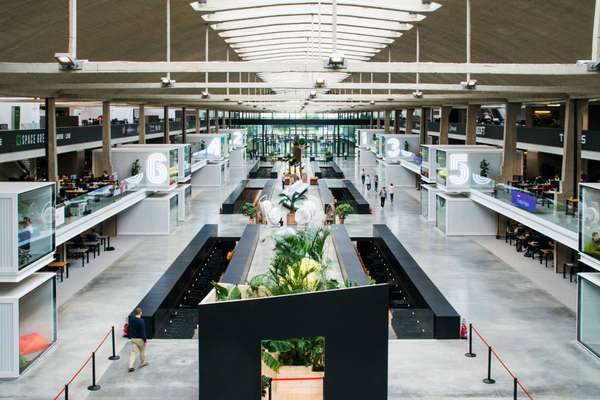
[[342, 211], [328, 156], [289, 202], [249, 211]]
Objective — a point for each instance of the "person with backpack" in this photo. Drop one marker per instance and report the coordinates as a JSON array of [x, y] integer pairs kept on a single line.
[[368, 182], [376, 182], [391, 193]]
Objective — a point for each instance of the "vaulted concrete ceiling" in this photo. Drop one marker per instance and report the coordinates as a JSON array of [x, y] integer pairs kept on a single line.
[[510, 31]]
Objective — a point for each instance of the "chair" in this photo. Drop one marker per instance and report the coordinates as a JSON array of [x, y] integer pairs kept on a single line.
[[545, 254], [510, 235]]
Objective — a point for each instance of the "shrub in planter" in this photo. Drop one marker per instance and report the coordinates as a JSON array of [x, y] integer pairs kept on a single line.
[[342, 211], [248, 210]]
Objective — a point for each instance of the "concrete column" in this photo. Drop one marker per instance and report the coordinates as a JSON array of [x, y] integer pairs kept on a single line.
[[197, 120], [510, 163], [217, 120], [529, 116], [183, 126], [571, 165], [423, 134], [386, 121], [396, 121], [166, 125], [51, 143], [408, 127], [106, 139], [208, 120], [471, 131], [444, 124], [371, 120], [142, 124], [378, 120]]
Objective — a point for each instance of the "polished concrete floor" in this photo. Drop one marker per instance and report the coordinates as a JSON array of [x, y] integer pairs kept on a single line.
[[530, 328]]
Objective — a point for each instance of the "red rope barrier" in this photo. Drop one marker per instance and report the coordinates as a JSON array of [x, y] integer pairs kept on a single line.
[[497, 356], [85, 363]]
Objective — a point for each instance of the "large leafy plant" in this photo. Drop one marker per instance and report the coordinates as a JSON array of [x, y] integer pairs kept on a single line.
[[298, 266], [289, 202]]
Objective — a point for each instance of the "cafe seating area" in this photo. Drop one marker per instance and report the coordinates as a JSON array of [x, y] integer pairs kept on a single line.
[[77, 251]]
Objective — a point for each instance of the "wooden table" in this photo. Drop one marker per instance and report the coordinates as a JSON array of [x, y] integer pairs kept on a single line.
[[62, 266]]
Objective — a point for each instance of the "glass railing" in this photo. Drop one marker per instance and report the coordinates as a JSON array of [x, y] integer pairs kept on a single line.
[[94, 201], [542, 204]]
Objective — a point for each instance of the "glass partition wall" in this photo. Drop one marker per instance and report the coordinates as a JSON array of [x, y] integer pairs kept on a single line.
[[36, 224]]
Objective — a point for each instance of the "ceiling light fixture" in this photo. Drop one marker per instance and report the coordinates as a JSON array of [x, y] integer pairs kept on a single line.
[[320, 83], [313, 94], [67, 62], [336, 61], [471, 84], [205, 94], [165, 82]]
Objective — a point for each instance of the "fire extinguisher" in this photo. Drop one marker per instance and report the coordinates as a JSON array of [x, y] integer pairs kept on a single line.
[[463, 329]]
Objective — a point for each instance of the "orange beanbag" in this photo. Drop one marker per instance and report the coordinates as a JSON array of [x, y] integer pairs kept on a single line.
[[32, 343]]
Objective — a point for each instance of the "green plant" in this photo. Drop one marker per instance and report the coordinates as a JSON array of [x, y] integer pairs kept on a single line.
[[406, 145], [484, 167], [248, 210], [225, 294], [300, 142], [343, 210], [296, 351], [289, 202], [328, 154], [135, 167]]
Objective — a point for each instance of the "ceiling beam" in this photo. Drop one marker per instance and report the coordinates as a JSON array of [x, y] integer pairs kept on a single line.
[[304, 85], [125, 67], [404, 5]]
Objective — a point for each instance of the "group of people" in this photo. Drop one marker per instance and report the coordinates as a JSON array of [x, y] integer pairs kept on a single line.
[[369, 182]]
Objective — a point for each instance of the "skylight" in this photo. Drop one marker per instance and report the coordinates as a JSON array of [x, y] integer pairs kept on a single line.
[[295, 30]]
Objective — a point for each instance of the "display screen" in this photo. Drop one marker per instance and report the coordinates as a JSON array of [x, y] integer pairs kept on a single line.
[[524, 200], [37, 323], [36, 224], [589, 232]]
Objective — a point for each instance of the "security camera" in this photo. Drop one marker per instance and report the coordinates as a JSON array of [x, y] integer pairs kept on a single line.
[[166, 82], [417, 94]]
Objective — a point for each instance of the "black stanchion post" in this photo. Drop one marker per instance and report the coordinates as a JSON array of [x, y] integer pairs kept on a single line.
[[516, 384], [93, 387], [489, 379], [67, 391], [114, 356], [470, 354], [270, 391]]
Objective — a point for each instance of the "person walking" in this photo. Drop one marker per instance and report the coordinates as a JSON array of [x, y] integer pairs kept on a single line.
[[376, 182], [391, 193], [383, 195], [362, 176], [137, 338], [368, 182]]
